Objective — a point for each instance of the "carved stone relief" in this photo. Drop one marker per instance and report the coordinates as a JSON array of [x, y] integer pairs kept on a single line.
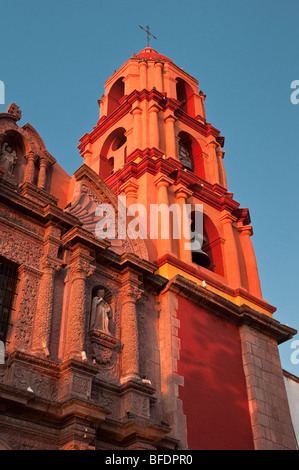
[[37, 383], [104, 351], [84, 204], [26, 308], [19, 249]]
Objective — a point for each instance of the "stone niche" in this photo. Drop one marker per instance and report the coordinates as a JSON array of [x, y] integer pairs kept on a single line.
[[12, 157]]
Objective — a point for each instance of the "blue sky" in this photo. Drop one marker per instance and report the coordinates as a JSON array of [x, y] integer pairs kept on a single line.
[[56, 56]]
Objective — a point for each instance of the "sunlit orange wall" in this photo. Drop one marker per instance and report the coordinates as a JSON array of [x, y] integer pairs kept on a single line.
[[214, 394]]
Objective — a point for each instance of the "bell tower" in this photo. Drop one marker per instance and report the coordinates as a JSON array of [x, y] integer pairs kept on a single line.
[[220, 374], [153, 144]]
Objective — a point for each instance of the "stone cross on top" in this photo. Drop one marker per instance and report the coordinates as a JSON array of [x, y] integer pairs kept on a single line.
[[148, 33]]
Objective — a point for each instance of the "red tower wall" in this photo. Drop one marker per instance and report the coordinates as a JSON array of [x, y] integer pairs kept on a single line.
[[214, 395]]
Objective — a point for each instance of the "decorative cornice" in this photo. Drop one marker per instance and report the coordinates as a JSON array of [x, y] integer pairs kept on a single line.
[[106, 122], [80, 235], [203, 274], [32, 191], [239, 315], [153, 161]]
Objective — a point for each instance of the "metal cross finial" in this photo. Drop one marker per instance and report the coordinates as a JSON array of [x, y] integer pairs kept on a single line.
[[148, 33]]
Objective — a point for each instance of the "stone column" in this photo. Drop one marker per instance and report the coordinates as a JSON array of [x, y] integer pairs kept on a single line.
[[231, 258], [220, 155], [159, 75], [130, 293], [199, 100], [164, 245], [137, 127], [213, 163], [169, 81], [49, 264], [30, 167], [143, 74], [182, 195], [80, 270], [170, 136], [42, 322], [130, 188], [42, 176], [250, 261], [154, 126]]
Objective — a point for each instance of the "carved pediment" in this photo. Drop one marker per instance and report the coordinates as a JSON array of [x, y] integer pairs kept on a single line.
[[89, 193]]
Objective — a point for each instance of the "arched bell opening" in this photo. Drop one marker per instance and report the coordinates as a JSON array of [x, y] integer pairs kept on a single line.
[[185, 95], [115, 94], [208, 251], [113, 152], [190, 154]]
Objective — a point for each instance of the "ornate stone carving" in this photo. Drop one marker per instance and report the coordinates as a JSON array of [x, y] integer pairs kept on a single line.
[[81, 386], [19, 249], [105, 400], [84, 204], [131, 292], [81, 268], [135, 404], [16, 218], [141, 406], [14, 110], [27, 379], [27, 299], [104, 351], [42, 324]]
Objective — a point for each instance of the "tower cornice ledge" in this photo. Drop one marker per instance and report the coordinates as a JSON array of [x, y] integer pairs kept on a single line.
[[238, 314], [106, 122]]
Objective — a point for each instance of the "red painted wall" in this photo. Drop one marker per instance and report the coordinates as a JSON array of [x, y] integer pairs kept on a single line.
[[214, 394]]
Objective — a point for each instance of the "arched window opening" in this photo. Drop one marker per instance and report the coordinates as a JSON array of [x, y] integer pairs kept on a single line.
[[190, 154], [113, 152], [118, 142], [185, 95], [115, 94]]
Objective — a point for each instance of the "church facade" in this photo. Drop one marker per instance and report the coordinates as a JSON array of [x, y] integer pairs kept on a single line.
[[125, 341]]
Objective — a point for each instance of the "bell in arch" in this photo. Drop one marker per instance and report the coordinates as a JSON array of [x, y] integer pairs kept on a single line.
[[184, 156], [199, 256]]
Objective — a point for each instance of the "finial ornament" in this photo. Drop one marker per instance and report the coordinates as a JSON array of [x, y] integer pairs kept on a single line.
[[148, 33]]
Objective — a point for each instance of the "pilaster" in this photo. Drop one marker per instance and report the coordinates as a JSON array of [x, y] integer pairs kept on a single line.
[[231, 258], [182, 194], [130, 293], [30, 167], [268, 404], [80, 269], [250, 261]]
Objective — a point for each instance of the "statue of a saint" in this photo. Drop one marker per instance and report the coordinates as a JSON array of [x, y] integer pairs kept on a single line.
[[8, 158], [100, 313]]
